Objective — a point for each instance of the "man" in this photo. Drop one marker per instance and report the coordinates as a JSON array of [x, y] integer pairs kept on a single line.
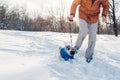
[[88, 19]]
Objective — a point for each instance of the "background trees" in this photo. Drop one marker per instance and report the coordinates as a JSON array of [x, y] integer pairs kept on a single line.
[[18, 19], [114, 6]]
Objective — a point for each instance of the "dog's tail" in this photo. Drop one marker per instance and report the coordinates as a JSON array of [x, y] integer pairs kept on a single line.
[[58, 52]]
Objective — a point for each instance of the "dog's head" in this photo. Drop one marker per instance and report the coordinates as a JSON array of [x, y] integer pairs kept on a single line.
[[67, 52], [70, 50]]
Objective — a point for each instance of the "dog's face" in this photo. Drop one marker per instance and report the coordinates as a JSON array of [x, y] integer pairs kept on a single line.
[[70, 50]]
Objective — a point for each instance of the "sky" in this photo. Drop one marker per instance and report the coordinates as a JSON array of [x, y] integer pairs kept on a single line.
[[35, 7], [39, 6], [42, 7]]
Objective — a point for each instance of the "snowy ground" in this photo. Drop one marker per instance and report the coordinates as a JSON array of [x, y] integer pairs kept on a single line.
[[32, 56]]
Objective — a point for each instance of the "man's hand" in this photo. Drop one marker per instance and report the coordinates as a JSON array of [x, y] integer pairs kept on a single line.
[[71, 18], [103, 18]]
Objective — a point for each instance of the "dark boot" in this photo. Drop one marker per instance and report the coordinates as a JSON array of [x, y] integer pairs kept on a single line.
[[89, 59]]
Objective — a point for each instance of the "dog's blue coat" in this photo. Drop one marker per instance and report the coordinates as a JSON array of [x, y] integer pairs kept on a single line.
[[65, 55]]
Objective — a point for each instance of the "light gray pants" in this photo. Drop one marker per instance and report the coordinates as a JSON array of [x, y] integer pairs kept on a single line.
[[91, 29]]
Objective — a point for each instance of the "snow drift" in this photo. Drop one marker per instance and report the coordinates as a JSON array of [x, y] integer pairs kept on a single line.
[[32, 56]]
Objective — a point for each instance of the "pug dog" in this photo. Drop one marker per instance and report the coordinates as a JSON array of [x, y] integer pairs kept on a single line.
[[67, 52]]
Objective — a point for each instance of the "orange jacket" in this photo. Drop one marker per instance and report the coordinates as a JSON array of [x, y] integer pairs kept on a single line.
[[88, 11]]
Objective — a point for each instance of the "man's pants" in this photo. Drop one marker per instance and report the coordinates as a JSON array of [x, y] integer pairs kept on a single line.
[[91, 29]]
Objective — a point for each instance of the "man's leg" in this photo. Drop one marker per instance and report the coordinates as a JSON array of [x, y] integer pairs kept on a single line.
[[83, 29], [92, 40]]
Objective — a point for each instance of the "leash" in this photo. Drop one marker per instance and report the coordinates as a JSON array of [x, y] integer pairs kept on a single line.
[[70, 28]]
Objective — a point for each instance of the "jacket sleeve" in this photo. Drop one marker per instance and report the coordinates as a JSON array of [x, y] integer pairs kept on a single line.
[[74, 6], [105, 5]]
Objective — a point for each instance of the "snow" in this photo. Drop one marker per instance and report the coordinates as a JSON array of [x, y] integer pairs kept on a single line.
[[32, 56]]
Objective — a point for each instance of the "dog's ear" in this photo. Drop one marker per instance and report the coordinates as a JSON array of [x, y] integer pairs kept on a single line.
[[68, 47]]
